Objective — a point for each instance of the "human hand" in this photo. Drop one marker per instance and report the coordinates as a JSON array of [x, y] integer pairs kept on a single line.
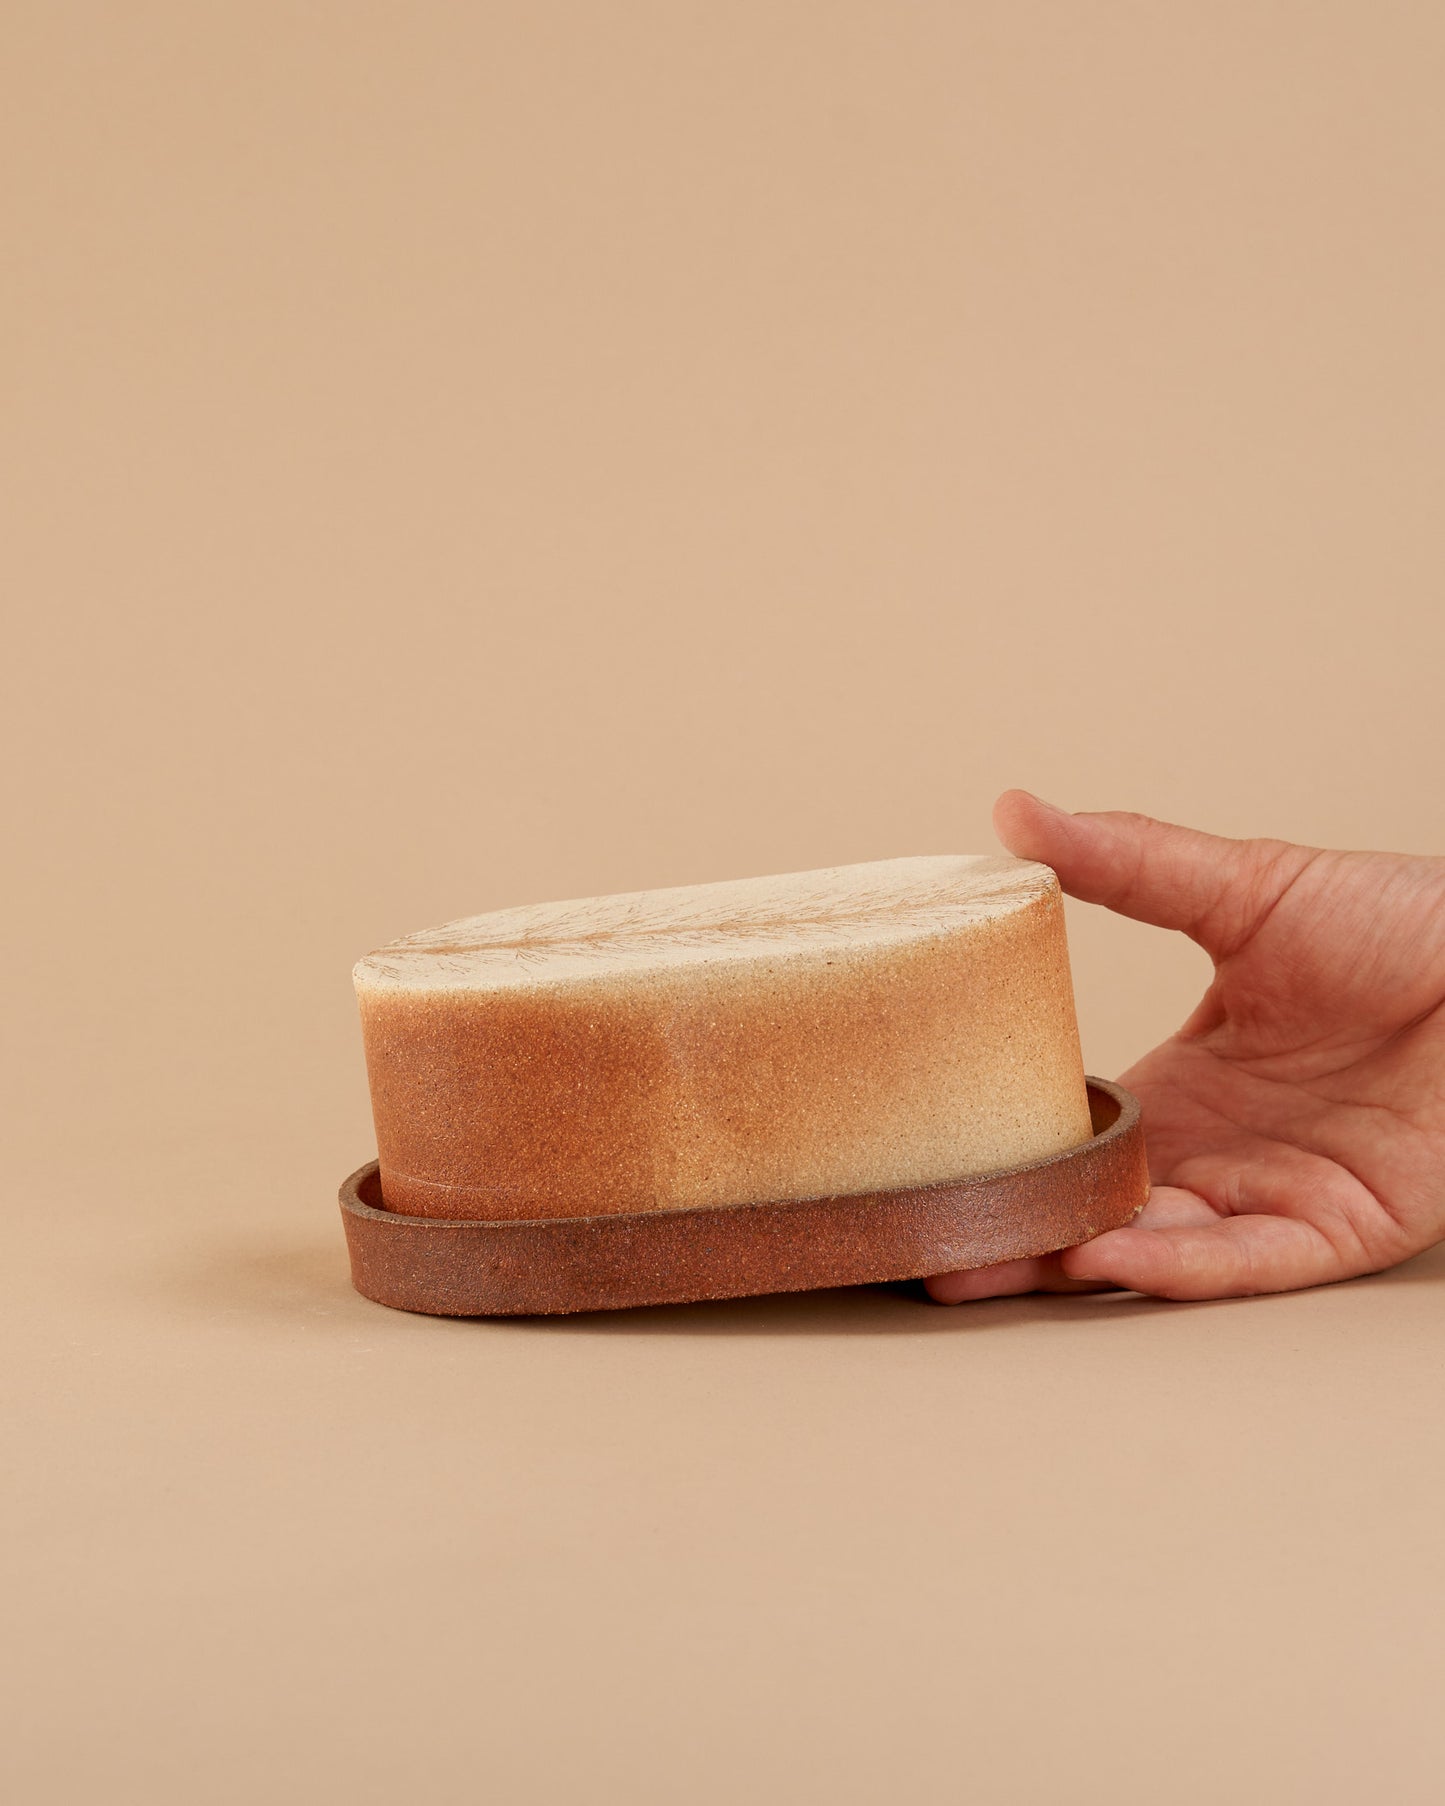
[[1296, 1123]]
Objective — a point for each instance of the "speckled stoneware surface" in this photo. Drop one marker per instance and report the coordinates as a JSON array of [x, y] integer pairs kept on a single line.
[[859, 1029], [610, 1261]]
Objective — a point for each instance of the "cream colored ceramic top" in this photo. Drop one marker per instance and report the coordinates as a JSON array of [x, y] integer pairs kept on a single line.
[[886, 901]]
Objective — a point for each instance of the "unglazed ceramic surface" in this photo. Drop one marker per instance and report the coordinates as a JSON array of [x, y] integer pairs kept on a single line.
[[857, 1029]]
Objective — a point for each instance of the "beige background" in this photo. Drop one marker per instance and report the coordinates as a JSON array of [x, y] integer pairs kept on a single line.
[[461, 455]]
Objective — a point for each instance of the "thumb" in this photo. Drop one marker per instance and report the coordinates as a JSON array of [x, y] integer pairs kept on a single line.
[[1217, 891]]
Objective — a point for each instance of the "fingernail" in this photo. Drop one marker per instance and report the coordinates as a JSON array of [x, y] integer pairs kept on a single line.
[[1044, 803]]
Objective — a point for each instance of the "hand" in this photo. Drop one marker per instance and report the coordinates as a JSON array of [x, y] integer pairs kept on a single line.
[[1296, 1123]]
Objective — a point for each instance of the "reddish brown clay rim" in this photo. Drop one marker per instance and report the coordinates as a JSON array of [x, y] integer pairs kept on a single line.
[[552, 1265]]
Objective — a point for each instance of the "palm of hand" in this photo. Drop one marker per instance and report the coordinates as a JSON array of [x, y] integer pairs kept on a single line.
[[1296, 1123], [1307, 1091]]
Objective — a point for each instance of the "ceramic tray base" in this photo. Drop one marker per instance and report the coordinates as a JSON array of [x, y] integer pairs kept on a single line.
[[600, 1263]]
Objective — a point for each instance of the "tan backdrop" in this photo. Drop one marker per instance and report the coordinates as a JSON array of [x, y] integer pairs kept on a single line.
[[465, 454]]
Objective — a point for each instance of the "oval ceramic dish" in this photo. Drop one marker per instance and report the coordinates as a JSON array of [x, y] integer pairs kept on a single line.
[[553, 1265]]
